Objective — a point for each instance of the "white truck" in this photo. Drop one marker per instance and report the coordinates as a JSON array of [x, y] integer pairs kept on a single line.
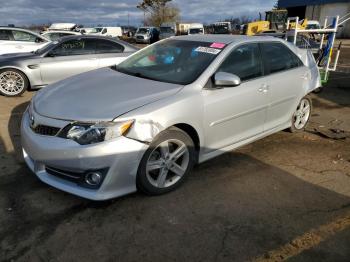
[[107, 31], [195, 29]]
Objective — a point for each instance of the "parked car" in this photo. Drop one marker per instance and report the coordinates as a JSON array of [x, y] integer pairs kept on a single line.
[[68, 56], [55, 35], [107, 31], [17, 40], [313, 24], [144, 123], [146, 35]]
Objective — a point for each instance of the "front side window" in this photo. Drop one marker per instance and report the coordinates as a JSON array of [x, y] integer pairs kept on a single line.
[[172, 61], [244, 61], [279, 58], [23, 36], [105, 46], [74, 47]]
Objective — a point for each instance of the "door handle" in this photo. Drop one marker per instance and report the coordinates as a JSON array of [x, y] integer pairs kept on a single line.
[[305, 76], [264, 88]]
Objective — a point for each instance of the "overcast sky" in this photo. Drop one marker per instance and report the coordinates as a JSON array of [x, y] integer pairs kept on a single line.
[[113, 12]]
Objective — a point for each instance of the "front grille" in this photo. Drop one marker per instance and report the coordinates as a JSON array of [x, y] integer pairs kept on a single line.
[[67, 175], [46, 130], [139, 37]]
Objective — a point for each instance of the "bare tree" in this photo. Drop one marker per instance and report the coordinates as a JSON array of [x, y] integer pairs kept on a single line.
[[159, 12]]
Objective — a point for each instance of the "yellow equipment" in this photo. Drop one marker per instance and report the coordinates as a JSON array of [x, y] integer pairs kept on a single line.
[[300, 26], [257, 27], [275, 20]]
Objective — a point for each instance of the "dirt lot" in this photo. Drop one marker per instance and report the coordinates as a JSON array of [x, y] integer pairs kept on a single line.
[[284, 197]]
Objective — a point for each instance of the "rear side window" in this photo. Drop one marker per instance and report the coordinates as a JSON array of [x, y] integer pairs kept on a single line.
[[105, 46], [5, 35], [279, 58], [245, 62]]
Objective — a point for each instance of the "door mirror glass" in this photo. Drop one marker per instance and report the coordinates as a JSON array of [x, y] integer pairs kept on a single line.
[[104, 31], [223, 79]]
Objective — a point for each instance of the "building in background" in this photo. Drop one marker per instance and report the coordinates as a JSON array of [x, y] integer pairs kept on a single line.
[[318, 10]]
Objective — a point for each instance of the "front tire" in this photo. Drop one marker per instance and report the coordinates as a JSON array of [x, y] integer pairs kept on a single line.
[[13, 82], [301, 115], [166, 163]]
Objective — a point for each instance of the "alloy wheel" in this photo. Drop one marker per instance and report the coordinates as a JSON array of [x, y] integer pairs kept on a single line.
[[11, 83], [302, 114], [167, 163]]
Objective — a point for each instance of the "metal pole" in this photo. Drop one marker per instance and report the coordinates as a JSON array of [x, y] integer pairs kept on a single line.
[[332, 43], [322, 37], [296, 29]]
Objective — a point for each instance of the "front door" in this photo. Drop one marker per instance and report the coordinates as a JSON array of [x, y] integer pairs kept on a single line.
[[233, 114], [70, 58]]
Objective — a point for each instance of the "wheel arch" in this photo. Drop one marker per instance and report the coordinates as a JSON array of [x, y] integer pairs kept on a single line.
[[192, 132]]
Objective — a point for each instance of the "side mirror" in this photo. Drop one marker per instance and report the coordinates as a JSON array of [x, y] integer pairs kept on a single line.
[[223, 79]]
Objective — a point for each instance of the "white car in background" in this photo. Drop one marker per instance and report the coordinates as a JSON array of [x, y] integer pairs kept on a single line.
[[17, 40], [55, 35], [107, 31]]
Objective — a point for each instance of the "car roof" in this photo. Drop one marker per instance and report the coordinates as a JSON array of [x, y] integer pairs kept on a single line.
[[61, 31], [225, 39], [23, 30], [72, 37]]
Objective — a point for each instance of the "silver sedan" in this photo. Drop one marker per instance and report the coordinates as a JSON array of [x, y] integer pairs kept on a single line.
[[145, 123], [58, 60]]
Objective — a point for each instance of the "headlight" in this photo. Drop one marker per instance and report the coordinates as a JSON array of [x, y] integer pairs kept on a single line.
[[85, 134]]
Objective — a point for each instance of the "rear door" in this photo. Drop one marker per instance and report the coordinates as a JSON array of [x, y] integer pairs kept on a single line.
[[233, 114], [25, 41], [284, 83], [109, 52], [69, 58]]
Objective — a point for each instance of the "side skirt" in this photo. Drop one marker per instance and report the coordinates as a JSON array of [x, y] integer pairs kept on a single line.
[[212, 154]]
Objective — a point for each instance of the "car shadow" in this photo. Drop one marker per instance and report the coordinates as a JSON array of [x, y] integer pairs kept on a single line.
[[233, 207]]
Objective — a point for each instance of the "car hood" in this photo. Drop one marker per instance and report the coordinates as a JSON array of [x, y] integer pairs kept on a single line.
[[99, 95], [16, 56]]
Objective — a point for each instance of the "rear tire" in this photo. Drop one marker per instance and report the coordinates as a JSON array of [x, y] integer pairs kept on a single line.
[[166, 163], [301, 116], [13, 82]]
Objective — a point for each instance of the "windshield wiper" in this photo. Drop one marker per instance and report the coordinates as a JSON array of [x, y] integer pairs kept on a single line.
[[137, 74]]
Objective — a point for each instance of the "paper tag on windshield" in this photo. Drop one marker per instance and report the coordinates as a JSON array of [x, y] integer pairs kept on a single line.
[[208, 50]]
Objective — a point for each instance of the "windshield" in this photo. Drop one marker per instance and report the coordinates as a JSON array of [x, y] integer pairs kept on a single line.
[[167, 30], [142, 31], [172, 61], [196, 31], [96, 30], [221, 29]]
